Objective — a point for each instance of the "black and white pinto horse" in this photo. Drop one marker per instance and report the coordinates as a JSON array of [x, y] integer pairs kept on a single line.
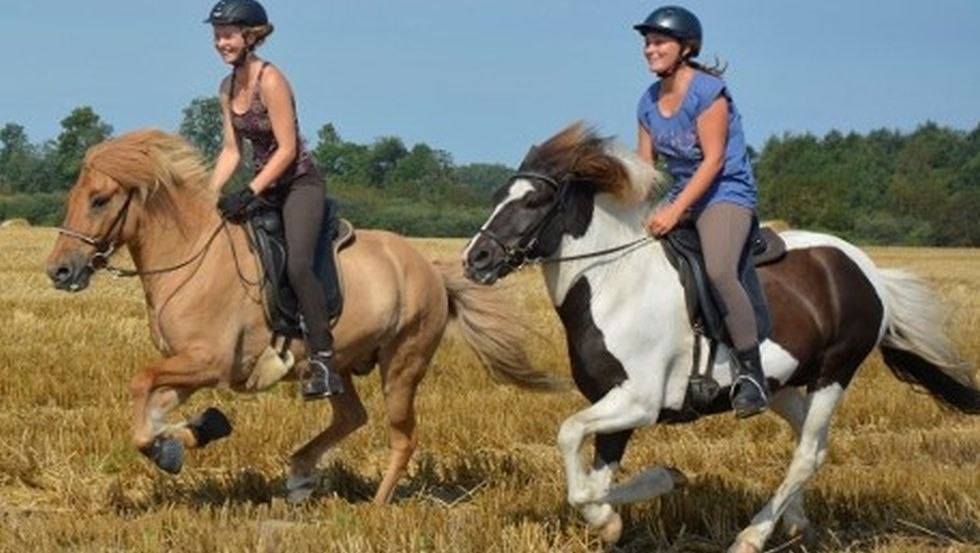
[[577, 204]]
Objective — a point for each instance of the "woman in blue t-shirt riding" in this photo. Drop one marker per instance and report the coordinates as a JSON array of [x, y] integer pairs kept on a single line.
[[689, 119]]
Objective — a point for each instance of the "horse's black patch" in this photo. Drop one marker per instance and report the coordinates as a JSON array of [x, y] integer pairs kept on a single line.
[[594, 370]]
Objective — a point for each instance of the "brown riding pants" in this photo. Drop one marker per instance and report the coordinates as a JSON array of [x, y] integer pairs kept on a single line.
[[724, 229]]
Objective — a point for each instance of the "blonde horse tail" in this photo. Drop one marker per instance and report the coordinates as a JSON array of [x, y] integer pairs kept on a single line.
[[494, 333], [916, 347]]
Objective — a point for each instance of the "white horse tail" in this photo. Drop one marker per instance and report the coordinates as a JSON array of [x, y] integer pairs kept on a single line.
[[495, 334], [916, 347]]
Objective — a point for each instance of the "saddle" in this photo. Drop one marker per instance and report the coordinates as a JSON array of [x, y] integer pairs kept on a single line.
[[706, 314], [268, 242]]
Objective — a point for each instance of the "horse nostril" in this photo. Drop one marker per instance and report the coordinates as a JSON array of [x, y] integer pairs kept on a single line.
[[59, 274], [480, 258]]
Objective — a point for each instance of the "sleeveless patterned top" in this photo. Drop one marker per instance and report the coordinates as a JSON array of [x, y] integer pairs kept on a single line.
[[255, 126]]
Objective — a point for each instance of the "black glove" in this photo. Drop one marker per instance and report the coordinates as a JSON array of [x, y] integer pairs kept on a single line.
[[234, 205]]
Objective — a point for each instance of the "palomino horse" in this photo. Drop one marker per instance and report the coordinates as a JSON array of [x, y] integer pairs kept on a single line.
[[577, 204], [148, 190]]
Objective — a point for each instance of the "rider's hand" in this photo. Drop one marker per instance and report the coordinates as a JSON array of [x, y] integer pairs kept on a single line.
[[663, 220], [233, 205]]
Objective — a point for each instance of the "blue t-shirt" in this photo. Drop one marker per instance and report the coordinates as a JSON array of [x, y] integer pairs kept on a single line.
[[675, 139]]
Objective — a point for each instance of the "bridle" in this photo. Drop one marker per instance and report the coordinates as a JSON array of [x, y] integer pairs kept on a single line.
[[106, 246], [519, 254]]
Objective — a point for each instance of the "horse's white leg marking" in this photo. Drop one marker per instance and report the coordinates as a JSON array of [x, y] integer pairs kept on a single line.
[[618, 410], [809, 455], [790, 405]]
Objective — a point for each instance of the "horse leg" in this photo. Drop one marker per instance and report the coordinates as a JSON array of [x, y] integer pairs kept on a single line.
[[155, 391], [348, 415], [400, 401], [811, 451], [618, 410], [790, 405]]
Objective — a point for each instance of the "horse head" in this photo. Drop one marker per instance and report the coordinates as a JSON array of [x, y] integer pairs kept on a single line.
[[117, 189], [552, 195]]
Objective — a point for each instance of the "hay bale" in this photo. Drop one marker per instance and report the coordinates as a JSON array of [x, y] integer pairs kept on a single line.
[[15, 223], [777, 225]]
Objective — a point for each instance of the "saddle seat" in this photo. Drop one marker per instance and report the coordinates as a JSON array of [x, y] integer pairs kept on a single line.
[[268, 243], [706, 314]]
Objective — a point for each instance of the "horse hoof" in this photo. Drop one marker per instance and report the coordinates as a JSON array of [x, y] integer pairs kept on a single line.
[[612, 530], [167, 454], [679, 478], [300, 488], [209, 426]]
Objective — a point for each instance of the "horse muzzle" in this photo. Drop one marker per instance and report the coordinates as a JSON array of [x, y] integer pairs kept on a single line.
[[484, 263], [70, 272]]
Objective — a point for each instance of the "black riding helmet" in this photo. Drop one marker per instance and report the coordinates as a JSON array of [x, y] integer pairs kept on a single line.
[[247, 13], [676, 22]]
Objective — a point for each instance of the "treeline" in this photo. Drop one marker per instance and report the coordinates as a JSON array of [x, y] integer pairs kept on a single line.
[[885, 187], [921, 188]]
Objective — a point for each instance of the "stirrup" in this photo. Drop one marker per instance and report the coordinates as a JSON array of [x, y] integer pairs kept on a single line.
[[750, 406], [323, 381]]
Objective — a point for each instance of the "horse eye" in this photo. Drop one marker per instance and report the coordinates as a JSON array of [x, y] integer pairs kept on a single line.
[[99, 201], [537, 200]]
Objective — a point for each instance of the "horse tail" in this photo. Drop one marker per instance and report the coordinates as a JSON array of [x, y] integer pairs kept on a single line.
[[494, 333], [916, 347]]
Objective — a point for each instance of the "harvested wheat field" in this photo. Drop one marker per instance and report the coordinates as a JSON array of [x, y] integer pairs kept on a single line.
[[902, 473]]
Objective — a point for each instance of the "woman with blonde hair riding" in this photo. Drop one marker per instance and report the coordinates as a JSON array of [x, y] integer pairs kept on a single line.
[[257, 105]]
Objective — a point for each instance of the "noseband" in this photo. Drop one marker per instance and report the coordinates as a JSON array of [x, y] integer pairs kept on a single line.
[[106, 245], [520, 253]]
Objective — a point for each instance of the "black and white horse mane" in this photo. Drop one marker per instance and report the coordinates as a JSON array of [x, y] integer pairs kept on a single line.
[[579, 155]]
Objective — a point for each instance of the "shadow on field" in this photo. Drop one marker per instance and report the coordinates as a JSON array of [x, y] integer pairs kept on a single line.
[[708, 514]]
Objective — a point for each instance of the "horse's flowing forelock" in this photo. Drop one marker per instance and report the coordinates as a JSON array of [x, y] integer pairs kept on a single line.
[[147, 161], [579, 153]]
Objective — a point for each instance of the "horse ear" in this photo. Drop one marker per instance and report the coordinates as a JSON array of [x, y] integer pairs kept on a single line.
[[530, 153]]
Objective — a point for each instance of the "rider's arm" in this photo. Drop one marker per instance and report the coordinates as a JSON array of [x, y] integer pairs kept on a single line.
[[278, 99], [644, 144]]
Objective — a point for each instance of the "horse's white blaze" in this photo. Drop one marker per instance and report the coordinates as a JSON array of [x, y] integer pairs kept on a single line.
[[800, 239], [517, 190]]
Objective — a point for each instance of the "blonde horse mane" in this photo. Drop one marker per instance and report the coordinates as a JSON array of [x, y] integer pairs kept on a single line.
[[150, 161], [579, 153]]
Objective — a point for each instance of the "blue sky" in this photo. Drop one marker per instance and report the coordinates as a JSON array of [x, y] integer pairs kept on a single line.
[[484, 79]]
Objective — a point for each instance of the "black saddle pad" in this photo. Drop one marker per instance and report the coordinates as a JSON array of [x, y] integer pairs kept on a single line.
[[268, 239], [683, 248]]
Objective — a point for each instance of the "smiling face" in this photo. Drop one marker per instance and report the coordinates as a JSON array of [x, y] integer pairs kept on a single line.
[[661, 51], [230, 43], [521, 211]]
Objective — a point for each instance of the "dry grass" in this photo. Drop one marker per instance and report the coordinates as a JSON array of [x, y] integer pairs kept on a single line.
[[903, 475]]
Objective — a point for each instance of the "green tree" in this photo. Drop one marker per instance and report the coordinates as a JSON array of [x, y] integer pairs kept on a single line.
[[202, 126], [82, 129], [382, 158], [17, 159]]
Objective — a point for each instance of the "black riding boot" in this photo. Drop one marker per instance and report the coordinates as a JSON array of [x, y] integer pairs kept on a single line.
[[323, 381], [749, 394]]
